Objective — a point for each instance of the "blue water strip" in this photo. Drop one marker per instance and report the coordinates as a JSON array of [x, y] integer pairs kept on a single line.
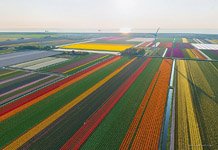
[[167, 119]]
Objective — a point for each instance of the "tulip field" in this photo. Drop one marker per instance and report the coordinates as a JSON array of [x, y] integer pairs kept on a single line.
[[159, 95], [99, 46], [196, 107]]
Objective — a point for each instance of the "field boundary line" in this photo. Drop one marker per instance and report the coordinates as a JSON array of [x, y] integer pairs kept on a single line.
[[165, 52]]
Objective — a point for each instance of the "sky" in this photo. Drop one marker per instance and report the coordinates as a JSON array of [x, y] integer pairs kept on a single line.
[[108, 15]]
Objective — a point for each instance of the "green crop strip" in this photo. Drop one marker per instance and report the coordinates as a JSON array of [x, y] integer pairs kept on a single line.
[[14, 74], [26, 88], [211, 54]]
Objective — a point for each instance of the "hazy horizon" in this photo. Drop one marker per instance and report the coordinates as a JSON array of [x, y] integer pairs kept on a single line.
[[195, 16], [194, 31]]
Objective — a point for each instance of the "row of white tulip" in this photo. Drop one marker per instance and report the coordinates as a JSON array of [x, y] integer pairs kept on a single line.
[[47, 63], [34, 62], [206, 46]]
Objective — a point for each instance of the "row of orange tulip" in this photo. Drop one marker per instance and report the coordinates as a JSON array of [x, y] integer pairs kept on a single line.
[[146, 127]]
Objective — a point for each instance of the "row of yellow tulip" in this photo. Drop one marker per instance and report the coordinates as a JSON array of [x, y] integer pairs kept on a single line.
[[188, 129], [184, 40], [98, 46], [204, 88]]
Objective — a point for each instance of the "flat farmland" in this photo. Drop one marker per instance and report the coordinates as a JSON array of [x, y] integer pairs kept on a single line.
[[150, 95]]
